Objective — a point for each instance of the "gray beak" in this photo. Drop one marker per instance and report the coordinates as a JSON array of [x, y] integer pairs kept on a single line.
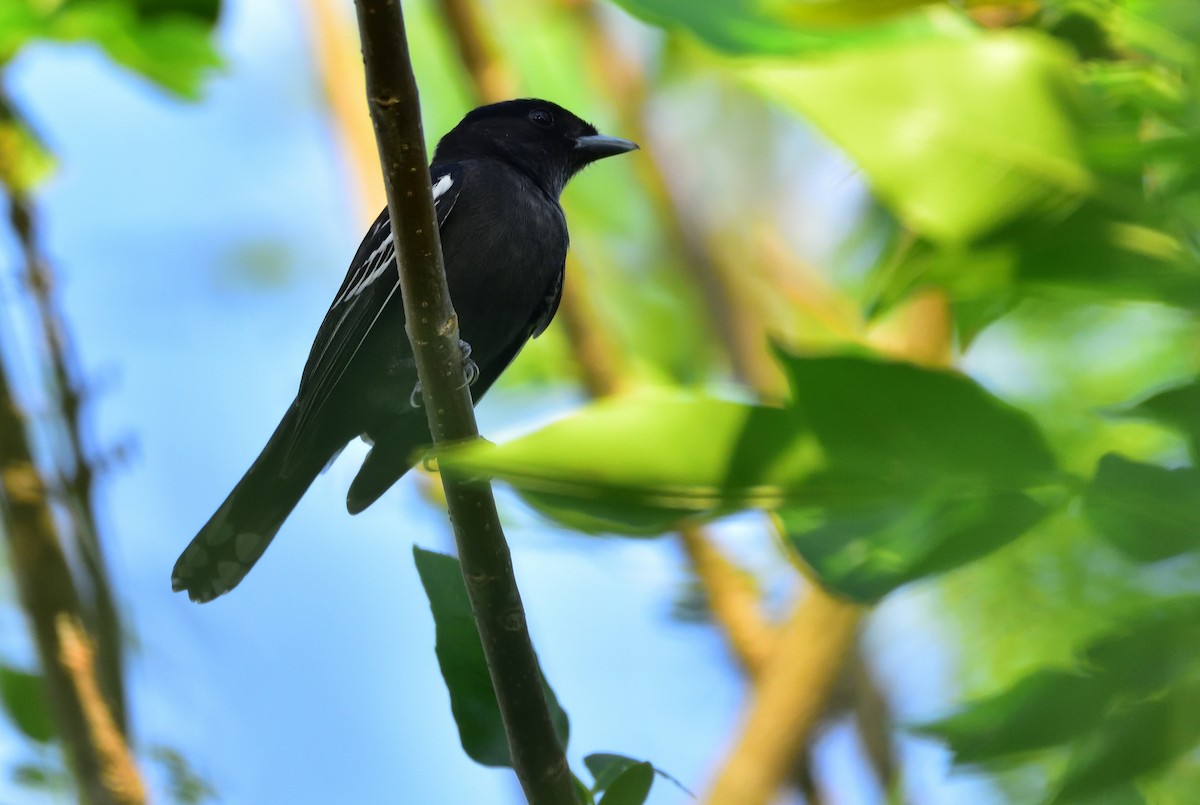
[[599, 146]]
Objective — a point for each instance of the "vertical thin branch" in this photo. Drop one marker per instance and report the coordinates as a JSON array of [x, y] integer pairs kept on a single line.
[[432, 326], [99, 757]]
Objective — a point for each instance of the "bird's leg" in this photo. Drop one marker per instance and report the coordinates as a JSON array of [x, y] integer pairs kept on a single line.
[[469, 369]]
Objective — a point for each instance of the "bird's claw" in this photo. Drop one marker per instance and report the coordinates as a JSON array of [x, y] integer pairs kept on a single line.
[[470, 369]]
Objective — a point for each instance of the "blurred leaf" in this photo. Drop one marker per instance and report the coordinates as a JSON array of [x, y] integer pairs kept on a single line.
[[24, 159], [1178, 408], [857, 12], [867, 549], [1147, 511], [42, 776], [170, 43], [464, 667], [1090, 256], [746, 27], [1044, 709], [638, 464], [960, 137], [186, 786], [24, 698], [582, 793], [1137, 740], [1151, 650], [631, 786]]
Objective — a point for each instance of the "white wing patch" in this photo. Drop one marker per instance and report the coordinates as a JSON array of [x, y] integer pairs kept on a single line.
[[384, 255], [440, 187]]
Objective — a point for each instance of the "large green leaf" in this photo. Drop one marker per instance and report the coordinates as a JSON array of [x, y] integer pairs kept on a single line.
[[909, 422], [1147, 511], [958, 136], [926, 472], [464, 667], [24, 698], [639, 464]]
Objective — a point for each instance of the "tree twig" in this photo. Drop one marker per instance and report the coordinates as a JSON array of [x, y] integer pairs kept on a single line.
[[432, 327]]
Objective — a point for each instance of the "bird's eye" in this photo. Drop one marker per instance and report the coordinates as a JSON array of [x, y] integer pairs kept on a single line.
[[541, 118]]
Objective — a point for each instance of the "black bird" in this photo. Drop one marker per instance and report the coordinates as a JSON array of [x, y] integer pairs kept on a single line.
[[496, 177]]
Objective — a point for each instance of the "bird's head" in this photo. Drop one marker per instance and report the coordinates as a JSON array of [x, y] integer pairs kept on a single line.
[[539, 137]]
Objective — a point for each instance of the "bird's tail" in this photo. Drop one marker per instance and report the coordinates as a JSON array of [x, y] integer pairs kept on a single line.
[[239, 532]]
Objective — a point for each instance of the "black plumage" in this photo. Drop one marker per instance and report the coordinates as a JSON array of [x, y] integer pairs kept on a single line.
[[496, 177]]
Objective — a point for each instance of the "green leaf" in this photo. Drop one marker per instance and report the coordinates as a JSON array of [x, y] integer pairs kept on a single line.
[[636, 464], [1147, 511], [866, 549], [24, 160], [751, 27], [933, 122], [1091, 255], [1177, 407], [24, 697], [167, 41], [631, 786], [1151, 650], [1136, 740], [606, 767], [1044, 709], [464, 667]]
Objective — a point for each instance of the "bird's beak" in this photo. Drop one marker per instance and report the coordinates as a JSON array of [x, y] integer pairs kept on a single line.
[[599, 146]]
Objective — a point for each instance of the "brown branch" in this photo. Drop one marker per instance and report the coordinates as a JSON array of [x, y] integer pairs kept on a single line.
[[789, 700], [96, 750], [432, 327]]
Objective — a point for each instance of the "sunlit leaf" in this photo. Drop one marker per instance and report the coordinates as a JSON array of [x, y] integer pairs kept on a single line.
[[24, 698], [639, 462], [1149, 512], [959, 137], [464, 667]]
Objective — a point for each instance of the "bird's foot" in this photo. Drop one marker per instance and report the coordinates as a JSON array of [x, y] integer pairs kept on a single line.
[[470, 369]]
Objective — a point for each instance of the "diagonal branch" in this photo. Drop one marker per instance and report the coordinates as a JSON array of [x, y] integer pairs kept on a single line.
[[432, 327]]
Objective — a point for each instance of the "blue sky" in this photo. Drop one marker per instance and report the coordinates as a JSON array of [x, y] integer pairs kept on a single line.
[[198, 246]]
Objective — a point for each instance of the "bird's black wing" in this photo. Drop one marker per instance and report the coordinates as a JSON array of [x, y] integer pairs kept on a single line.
[[372, 283]]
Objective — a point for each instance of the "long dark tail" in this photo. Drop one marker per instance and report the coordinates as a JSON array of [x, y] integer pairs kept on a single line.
[[241, 529]]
